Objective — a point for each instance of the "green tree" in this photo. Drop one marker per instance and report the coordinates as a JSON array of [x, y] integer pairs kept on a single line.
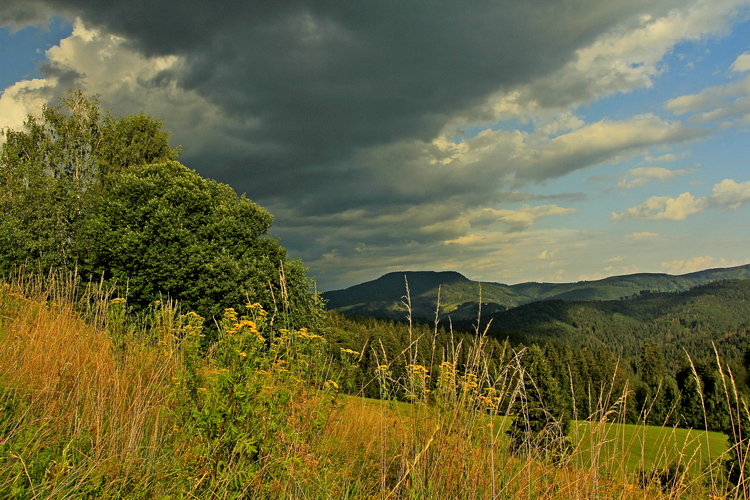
[[657, 394], [541, 420], [48, 171], [84, 190], [703, 403]]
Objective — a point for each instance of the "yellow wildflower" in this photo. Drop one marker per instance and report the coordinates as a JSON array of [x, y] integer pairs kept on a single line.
[[330, 384]]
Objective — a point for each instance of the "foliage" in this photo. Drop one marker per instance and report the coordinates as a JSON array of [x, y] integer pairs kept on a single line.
[[541, 423], [103, 196]]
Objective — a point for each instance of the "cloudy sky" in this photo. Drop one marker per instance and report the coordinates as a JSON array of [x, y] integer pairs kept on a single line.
[[535, 140]]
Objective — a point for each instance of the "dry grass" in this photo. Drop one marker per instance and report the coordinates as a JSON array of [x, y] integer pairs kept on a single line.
[[93, 413]]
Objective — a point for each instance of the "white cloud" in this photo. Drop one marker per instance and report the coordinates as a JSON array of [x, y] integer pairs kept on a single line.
[[20, 100], [128, 82], [545, 255], [641, 176], [626, 58], [643, 235], [713, 104], [741, 64], [696, 264], [728, 194], [663, 208], [523, 218], [598, 143]]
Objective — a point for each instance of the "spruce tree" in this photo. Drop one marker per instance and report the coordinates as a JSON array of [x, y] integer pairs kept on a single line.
[[541, 420]]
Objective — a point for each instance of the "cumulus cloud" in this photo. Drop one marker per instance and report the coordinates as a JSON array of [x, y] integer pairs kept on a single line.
[[325, 79], [619, 60], [741, 64], [663, 208], [638, 177], [718, 103], [696, 264], [128, 82], [315, 83], [601, 142], [516, 220], [545, 255], [728, 194]]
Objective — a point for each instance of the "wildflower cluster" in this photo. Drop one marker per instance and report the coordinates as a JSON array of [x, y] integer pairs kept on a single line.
[[418, 383], [240, 387], [490, 401]]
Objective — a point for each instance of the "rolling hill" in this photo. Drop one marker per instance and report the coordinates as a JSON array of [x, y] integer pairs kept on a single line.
[[385, 297], [715, 314]]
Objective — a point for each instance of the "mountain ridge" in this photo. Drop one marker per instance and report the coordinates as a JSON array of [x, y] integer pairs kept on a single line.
[[386, 297]]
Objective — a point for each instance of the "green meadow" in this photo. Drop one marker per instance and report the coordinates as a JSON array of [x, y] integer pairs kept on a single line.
[[635, 447]]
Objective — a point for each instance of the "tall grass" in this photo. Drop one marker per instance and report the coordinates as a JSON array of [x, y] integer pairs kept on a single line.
[[76, 415], [113, 406]]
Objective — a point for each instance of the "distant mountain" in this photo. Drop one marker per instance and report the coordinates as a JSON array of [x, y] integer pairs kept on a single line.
[[717, 313], [385, 297]]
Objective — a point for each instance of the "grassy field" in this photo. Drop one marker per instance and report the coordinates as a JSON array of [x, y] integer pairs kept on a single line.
[[118, 408], [643, 447], [607, 446]]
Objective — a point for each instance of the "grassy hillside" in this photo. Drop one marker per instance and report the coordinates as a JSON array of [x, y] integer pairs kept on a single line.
[[98, 403]]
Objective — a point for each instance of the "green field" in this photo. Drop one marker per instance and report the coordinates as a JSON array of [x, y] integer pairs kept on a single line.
[[615, 447], [632, 448]]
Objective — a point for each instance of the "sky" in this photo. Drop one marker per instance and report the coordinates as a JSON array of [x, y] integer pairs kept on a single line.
[[543, 140]]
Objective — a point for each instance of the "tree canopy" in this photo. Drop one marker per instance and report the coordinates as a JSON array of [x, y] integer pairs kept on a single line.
[[104, 195]]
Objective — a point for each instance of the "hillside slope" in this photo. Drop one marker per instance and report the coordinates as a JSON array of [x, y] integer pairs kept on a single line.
[[717, 313], [385, 297]]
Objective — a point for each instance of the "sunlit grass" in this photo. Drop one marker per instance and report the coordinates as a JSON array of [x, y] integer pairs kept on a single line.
[[636, 447], [111, 409]]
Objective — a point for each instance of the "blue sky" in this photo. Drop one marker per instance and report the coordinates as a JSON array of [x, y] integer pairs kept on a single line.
[[572, 140], [24, 49]]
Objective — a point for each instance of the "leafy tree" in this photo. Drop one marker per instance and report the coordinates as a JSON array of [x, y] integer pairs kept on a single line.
[[48, 170], [103, 195]]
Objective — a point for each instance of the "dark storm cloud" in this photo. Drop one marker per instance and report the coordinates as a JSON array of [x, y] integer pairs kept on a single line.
[[332, 114], [18, 14], [323, 79]]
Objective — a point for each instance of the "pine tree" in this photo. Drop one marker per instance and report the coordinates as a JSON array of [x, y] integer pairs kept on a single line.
[[541, 420]]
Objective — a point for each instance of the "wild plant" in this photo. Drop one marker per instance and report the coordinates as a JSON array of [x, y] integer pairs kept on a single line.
[[164, 404]]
